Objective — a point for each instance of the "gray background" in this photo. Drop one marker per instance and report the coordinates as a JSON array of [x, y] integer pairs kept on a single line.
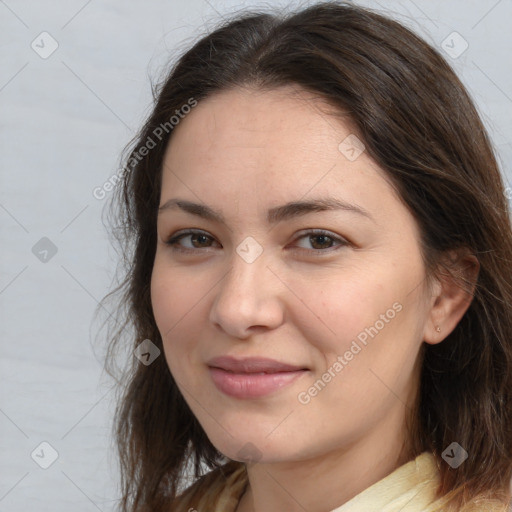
[[64, 120]]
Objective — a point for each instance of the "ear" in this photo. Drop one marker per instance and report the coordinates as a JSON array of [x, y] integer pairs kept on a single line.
[[452, 295]]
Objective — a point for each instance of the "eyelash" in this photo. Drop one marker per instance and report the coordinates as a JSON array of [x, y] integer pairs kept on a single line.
[[174, 240]]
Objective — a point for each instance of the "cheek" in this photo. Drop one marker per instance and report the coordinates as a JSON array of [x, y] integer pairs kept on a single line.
[[163, 299], [370, 321], [174, 305], [174, 296], [337, 309]]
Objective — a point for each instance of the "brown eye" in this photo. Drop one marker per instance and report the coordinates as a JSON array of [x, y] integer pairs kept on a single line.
[[319, 241], [197, 240], [322, 241]]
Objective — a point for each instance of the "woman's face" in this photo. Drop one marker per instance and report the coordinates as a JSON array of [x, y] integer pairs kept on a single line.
[[292, 330]]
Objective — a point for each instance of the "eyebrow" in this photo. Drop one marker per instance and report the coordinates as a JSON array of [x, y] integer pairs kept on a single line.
[[274, 215]]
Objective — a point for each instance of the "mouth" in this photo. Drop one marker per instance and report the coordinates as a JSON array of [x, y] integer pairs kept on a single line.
[[252, 377]]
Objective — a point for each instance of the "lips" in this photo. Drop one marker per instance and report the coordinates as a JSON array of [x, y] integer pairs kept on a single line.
[[252, 377], [252, 365]]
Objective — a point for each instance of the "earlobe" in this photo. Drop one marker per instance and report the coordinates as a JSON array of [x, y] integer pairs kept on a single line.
[[452, 297]]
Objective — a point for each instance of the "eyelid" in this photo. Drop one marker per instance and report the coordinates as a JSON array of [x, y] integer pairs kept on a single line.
[[175, 238]]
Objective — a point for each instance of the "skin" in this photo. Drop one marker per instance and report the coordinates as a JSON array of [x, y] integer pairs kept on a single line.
[[303, 301]]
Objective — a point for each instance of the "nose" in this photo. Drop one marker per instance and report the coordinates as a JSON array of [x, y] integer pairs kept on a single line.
[[248, 299]]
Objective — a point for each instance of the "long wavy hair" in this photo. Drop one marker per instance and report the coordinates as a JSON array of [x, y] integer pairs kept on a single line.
[[420, 126]]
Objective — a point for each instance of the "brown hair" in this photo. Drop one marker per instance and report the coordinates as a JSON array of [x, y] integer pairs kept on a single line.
[[420, 126]]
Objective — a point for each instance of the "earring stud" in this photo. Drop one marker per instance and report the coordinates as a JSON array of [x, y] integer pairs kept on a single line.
[[438, 329]]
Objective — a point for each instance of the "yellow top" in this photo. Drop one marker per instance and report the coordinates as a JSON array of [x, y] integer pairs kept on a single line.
[[410, 488]]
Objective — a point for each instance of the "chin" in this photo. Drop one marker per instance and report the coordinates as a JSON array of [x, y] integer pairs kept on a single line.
[[255, 448]]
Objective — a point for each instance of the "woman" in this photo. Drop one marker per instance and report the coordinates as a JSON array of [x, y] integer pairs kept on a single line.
[[319, 263]]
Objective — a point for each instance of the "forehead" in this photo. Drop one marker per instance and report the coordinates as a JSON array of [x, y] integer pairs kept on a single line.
[[250, 119], [272, 129], [286, 142]]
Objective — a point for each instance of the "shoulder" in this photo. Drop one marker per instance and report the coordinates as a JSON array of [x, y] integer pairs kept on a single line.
[[221, 487]]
